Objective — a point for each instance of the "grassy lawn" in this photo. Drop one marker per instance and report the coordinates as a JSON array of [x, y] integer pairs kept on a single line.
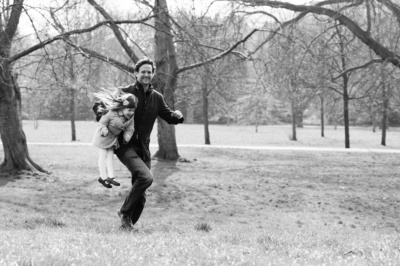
[[360, 137], [224, 207]]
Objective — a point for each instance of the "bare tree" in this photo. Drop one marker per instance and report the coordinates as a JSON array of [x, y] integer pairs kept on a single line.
[[334, 10], [13, 138]]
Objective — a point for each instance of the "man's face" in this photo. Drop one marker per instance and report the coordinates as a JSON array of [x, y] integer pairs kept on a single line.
[[145, 74]]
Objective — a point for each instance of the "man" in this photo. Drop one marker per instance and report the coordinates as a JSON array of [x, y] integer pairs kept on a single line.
[[135, 155]]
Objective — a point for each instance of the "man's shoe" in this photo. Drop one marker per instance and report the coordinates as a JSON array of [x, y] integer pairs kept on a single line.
[[110, 180], [125, 222], [103, 182]]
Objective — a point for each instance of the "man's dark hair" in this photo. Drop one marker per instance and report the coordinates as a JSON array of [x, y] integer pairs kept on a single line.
[[145, 61]]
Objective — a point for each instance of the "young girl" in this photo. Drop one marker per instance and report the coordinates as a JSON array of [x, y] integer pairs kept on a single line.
[[117, 116]]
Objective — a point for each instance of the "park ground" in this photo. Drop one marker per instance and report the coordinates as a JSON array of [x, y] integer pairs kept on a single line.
[[218, 207]]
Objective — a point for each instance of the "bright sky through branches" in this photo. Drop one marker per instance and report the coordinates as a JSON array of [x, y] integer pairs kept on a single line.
[[126, 7]]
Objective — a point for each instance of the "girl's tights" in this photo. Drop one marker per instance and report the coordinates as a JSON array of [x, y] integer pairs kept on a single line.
[[106, 163]]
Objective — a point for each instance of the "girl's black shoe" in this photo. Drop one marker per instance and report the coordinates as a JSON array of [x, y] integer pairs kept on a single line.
[[103, 182], [110, 180]]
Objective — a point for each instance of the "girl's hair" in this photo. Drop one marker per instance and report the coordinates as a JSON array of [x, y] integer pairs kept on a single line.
[[116, 99]]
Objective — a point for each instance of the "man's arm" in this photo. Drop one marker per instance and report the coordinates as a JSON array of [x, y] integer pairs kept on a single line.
[[171, 117]]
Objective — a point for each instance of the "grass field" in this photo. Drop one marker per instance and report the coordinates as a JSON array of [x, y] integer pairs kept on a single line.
[[360, 137], [224, 207]]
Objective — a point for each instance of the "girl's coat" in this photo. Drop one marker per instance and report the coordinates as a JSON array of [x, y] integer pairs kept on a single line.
[[110, 125]]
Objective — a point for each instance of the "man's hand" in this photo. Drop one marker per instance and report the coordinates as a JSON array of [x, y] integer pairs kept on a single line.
[[178, 114]]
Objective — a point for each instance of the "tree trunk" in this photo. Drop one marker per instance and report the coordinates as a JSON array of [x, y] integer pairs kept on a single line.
[[322, 117], [73, 106], [167, 148], [166, 65], [16, 155], [385, 106], [189, 119], [299, 118], [384, 116], [73, 112], [346, 115], [294, 134], [205, 112]]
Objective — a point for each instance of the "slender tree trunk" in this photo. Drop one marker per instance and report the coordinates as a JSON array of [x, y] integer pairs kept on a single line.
[[384, 116], [166, 65], [322, 117], [294, 133], [385, 106], [205, 112], [73, 112], [346, 116], [299, 118], [72, 94]]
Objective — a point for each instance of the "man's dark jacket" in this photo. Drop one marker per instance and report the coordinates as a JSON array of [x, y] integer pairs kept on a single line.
[[150, 106]]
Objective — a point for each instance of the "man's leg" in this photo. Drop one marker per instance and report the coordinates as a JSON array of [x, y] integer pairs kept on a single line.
[[138, 209], [134, 202]]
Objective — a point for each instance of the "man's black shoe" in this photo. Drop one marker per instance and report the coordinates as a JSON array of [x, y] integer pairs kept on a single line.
[[125, 222]]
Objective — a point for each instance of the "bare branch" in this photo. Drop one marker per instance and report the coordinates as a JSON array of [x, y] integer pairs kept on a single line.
[[373, 61], [90, 53], [116, 31], [362, 35], [259, 12], [392, 7], [219, 56], [368, 16], [239, 54], [69, 33]]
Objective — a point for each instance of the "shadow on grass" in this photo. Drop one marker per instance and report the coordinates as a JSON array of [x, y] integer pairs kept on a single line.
[[165, 192], [12, 176]]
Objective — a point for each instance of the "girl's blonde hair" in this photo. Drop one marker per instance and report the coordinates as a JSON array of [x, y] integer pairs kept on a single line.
[[116, 99]]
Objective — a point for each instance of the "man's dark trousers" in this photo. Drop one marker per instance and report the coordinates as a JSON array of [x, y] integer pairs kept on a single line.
[[141, 180]]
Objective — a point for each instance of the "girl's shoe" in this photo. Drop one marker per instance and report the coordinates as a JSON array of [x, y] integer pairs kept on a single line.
[[103, 182], [110, 180]]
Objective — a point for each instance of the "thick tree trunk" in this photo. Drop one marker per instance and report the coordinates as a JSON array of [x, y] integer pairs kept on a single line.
[[16, 155], [205, 112], [166, 65], [167, 148]]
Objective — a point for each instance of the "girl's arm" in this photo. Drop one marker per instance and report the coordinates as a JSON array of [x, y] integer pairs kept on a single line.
[[103, 124], [129, 129]]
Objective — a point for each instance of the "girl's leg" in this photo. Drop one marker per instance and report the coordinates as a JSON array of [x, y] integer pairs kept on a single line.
[[102, 163], [110, 167], [110, 162], [102, 167]]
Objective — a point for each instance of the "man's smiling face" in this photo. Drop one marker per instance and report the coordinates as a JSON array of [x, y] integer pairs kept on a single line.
[[145, 74]]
